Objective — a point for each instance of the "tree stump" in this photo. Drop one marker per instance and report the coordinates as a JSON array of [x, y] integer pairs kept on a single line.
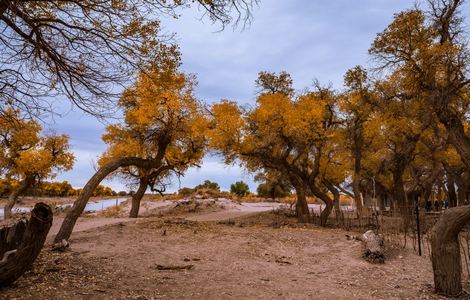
[[446, 260], [21, 242], [373, 246]]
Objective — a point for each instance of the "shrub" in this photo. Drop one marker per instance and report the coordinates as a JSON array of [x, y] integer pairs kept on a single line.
[[240, 188], [208, 185], [185, 191]]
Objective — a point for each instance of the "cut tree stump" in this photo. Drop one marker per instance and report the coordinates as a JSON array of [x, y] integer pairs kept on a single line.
[[21, 242], [374, 251]]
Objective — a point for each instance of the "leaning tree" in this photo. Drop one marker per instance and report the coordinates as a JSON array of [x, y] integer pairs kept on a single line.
[[163, 132]]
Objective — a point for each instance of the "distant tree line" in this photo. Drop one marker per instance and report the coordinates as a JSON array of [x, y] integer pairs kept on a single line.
[[54, 189]]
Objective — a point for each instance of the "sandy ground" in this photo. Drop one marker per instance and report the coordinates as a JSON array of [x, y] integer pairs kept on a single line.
[[215, 255], [217, 210]]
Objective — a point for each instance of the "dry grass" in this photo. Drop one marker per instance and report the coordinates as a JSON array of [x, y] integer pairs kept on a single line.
[[111, 212]]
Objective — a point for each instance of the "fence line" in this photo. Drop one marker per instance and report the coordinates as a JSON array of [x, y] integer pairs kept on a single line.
[[400, 229]]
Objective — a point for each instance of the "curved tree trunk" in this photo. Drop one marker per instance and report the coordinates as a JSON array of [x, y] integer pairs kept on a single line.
[[25, 184], [20, 244], [328, 202], [79, 205], [446, 260], [137, 197], [326, 212], [456, 131]]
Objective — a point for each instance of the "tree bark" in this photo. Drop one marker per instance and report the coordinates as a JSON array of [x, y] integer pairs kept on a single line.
[[356, 183], [25, 184], [446, 260], [328, 202], [336, 204], [21, 243], [399, 197], [451, 193], [137, 197], [462, 189], [301, 205], [455, 129], [336, 198], [357, 192], [79, 205]]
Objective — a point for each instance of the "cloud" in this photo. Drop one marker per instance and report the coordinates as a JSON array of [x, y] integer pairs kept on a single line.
[[309, 39]]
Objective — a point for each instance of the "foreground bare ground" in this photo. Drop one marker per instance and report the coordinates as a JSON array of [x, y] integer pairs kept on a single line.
[[256, 257]]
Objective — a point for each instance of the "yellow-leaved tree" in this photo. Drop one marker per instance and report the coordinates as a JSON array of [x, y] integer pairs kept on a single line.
[[27, 156], [294, 136], [357, 105], [429, 50], [163, 133]]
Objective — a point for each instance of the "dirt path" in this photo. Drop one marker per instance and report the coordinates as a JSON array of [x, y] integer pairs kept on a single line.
[[85, 223], [233, 211], [237, 261]]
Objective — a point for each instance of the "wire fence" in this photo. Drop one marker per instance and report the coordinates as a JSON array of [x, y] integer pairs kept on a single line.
[[405, 227]]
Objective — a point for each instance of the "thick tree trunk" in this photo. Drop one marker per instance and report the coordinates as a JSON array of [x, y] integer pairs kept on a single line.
[[301, 205], [25, 184], [357, 193], [20, 244], [137, 197], [455, 129], [336, 198], [325, 214], [79, 205], [336, 205], [399, 197], [452, 195], [328, 202], [462, 190], [446, 260]]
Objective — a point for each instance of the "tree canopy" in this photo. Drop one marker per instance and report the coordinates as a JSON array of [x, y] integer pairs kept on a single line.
[[87, 49], [28, 156]]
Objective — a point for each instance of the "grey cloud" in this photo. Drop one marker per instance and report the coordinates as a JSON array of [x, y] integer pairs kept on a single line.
[[308, 38]]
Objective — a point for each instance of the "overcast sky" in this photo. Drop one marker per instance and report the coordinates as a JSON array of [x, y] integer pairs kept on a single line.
[[307, 38]]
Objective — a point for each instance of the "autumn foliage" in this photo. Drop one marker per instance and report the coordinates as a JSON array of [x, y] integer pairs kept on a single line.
[[28, 156]]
